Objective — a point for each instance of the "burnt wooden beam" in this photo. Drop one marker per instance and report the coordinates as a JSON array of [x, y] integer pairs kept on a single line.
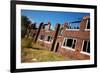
[[57, 46], [55, 37], [38, 31]]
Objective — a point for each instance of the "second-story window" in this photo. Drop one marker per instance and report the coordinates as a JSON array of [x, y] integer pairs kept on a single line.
[[88, 24], [75, 25]]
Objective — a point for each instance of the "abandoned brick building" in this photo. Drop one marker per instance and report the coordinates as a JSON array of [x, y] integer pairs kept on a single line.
[[66, 41]]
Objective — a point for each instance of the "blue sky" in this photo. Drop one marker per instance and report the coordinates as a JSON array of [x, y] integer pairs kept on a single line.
[[54, 17]]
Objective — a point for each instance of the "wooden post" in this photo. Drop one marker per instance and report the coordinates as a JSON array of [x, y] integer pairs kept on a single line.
[[55, 37], [57, 45], [38, 31]]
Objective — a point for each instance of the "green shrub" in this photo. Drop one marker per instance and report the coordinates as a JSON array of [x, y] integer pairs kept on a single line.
[[29, 44]]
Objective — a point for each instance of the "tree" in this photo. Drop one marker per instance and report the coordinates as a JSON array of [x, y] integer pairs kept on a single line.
[[34, 26], [31, 27], [24, 25]]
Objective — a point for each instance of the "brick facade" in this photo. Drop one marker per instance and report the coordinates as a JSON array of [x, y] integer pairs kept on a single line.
[[79, 35]]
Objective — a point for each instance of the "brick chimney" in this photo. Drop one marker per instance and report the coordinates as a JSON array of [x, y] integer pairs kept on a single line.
[[83, 23]]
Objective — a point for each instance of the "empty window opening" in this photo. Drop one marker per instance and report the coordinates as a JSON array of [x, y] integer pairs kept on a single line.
[[86, 46], [49, 38], [69, 43], [88, 24], [42, 37]]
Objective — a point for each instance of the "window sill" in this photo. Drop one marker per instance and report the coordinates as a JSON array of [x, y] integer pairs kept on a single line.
[[68, 48], [87, 29], [85, 53], [45, 41]]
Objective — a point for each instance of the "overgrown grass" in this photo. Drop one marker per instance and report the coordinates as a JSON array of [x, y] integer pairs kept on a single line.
[[29, 43], [26, 43], [32, 55], [35, 52]]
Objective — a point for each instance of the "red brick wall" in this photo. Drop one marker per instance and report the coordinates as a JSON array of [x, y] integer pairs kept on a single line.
[[80, 35]]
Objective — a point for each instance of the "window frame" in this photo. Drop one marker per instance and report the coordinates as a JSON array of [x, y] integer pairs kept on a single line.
[[86, 29], [51, 38], [74, 28], [85, 52], [67, 47], [43, 37]]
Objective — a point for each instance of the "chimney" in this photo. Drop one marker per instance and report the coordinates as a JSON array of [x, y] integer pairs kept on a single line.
[[83, 23]]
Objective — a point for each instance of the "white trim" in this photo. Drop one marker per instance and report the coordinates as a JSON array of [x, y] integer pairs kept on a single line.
[[82, 49], [87, 29], [45, 41], [40, 40], [50, 37], [85, 53], [59, 36], [87, 25], [70, 48]]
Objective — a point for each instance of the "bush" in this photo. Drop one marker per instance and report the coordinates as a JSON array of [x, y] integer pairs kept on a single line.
[[29, 44]]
